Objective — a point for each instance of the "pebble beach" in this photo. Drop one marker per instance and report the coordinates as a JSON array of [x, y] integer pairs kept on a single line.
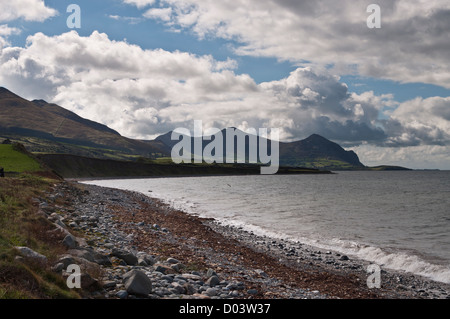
[[131, 246]]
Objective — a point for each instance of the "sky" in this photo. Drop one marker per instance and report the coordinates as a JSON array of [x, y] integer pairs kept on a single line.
[[146, 67]]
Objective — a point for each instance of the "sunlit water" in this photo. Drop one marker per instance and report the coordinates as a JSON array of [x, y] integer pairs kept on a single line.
[[400, 220]]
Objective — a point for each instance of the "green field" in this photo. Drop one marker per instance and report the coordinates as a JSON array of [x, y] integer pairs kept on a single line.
[[14, 161]]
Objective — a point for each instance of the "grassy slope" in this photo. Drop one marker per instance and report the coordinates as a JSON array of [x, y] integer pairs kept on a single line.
[[13, 160], [21, 224]]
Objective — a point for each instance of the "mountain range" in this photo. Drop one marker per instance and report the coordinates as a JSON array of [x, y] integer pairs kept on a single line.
[[48, 128]]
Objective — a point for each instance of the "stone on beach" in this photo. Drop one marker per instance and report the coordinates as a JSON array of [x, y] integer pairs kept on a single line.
[[126, 256], [172, 261], [70, 241], [91, 255], [210, 273], [137, 283], [164, 269], [164, 278], [213, 281], [211, 292]]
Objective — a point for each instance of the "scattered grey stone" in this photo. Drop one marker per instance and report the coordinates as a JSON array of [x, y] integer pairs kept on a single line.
[[166, 277], [122, 294], [137, 283], [126, 256], [189, 288], [66, 260], [210, 273], [252, 292], [213, 281], [58, 268], [31, 254], [162, 268], [172, 261], [73, 225], [175, 267], [91, 255], [191, 277], [178, 289], [70, 241], [149, 260], [211, 292], [142, 262]]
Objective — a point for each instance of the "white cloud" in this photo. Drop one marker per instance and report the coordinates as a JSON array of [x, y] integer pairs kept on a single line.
[[414, 157], [163, 14], [131, 20], [421, 121], [115, 82], [413, 44], [5, 33], [143, 93], [29, 10], [140, 3]]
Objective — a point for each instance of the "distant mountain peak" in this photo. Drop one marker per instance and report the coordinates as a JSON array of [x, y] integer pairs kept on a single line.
[[316, 137], [40, 102]]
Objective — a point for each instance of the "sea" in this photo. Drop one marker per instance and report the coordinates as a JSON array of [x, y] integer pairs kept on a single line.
[[397, 219]]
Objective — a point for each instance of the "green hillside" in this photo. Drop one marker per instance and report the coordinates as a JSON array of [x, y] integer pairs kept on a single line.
[[15, 161]]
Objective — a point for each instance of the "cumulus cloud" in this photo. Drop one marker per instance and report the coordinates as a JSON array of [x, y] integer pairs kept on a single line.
[[413, 44], [29, 10], [115, 82], [163, 14], [5, 33], [420, 121], [415, 157], [144, 93]]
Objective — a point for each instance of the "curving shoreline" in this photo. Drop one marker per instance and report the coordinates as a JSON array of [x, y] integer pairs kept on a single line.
[[247, 266]]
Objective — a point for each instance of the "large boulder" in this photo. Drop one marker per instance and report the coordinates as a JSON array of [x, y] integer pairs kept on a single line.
[[126, 256], [137, 283], [91, 255]]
